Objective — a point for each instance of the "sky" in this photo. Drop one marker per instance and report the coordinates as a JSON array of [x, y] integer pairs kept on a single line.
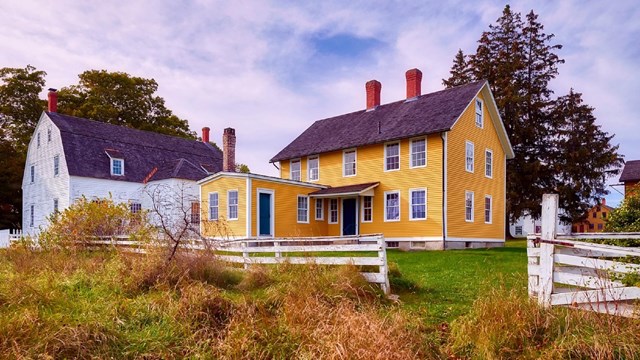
[[269, 69]]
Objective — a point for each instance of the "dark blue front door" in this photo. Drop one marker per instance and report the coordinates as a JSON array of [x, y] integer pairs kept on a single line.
[[349, 217], [264, 207]]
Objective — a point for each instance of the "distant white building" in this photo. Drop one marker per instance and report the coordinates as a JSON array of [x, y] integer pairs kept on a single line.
[[70, 157], [526, 225]]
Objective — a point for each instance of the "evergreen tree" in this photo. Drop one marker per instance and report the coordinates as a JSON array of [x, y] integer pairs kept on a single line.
[[121, 99], [460, 71], [583, 155], [519, 60]]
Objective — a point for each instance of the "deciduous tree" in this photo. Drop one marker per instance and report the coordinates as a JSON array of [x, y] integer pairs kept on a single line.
[[121, 99]]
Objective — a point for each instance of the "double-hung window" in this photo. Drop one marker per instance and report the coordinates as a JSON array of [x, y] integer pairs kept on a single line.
[[55, 206], [367, 209], [232, 206], [487, 209], [319, 209], [469, 152], [418, 153], [295, 170], [479, 119], [213, 206], [313, 163], [195, 212], [49, 135], [32, 210], [333, 211], [488, 163], [392, 206], [38, 139], [349, 163], [392, 157], [56, 165], [418, 206], [468, 206], [303, 209], [32, 173]]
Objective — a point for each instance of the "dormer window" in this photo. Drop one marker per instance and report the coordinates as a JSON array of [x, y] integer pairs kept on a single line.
[[117, 162], [117, 167]]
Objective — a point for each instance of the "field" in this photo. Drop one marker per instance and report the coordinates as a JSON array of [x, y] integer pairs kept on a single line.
[[453, 304]]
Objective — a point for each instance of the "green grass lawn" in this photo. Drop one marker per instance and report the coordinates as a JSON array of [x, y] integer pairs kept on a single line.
[[449, 281]]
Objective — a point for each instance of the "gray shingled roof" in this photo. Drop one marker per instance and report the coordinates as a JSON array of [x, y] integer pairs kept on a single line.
[[428, 114], [87, 144], [631, 171]]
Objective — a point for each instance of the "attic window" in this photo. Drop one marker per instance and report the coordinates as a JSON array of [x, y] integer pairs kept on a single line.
[[117, 167], [479, 119]]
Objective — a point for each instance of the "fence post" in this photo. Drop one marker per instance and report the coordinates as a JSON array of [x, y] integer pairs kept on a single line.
[[382, 254], [533, 285], [245, 254], [276, 245], [549, 216]]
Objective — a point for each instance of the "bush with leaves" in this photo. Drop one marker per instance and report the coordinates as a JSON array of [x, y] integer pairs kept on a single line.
[[626, 218], [87, 220]]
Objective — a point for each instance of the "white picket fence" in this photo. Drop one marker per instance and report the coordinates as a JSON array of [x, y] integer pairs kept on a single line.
[[298, 250], [568, 272]]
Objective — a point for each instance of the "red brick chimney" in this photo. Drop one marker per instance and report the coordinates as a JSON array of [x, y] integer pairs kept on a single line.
[[373, 94], [53, 100], [414, 80], [229, 150], [205, 134], [604, 201]]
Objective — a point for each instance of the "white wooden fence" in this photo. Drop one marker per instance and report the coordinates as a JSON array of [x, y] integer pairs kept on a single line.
[[337, 250], [564, 271]]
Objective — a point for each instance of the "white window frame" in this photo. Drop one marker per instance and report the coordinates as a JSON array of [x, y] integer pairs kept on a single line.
[[32, 173], [56, 165], [411, 204], [306, 209], [113, 160], [479, 113], [411, 153], [364, 207], [518, 229], [38, 139], [56, 204], [337, 211], [488, 163], [217, 206], [355, 162], [469, 145], [195, 216], [490, 209], [309, 168], [386, 146], [386, 208], [48, 134], [32, 210], [299, 171], [466, 195], [321, 208], [229, 205]]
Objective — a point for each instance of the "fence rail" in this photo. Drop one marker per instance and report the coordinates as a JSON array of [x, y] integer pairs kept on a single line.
[[568, 272], [302, 250]]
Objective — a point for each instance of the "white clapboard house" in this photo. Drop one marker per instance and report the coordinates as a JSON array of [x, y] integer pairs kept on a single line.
[[71, 157]]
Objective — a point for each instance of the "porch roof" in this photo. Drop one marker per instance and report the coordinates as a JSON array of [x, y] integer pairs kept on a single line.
[[365, 189]]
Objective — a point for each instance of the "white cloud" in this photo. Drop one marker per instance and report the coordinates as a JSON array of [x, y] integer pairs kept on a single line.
[[250, 64]]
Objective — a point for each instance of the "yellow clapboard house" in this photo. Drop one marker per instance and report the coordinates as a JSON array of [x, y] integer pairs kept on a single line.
[[428, 172]]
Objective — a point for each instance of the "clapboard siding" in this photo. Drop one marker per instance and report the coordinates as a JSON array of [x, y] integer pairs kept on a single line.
[[46, 187], [459, 180]]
